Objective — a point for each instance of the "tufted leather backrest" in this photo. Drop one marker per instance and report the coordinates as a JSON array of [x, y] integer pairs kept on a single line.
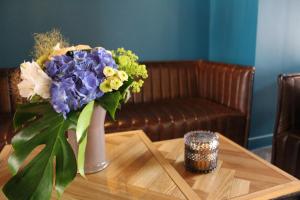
[[227, 84], [168, 80], [288, 109]]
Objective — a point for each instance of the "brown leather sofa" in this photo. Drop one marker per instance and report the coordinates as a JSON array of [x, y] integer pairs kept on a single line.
[[286, 140], [188, 95], [178, 96]]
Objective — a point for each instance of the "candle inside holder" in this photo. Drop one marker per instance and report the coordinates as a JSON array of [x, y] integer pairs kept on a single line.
[[201, 151]]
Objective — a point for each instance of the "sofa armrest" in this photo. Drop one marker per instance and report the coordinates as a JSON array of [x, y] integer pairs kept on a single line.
[[5, 103], [227, 84], [6, 130], [9, 97]]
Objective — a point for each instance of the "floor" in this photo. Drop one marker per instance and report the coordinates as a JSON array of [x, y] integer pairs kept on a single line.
[[264, 152]]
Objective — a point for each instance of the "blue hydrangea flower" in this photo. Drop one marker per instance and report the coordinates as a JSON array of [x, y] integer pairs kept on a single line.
[[76, 78]]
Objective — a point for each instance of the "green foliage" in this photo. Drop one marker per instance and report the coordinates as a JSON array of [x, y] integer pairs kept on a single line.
[[81, 134], [128, 62], [136, 86], [111, 101], [40, 125]]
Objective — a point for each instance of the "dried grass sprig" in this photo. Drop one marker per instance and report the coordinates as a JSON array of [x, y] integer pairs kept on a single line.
[[44, 42]]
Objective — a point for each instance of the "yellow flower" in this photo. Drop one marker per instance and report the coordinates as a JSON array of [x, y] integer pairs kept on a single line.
[[105, 86], [122, 75], [124, 60], [108, 71], [115, 83]]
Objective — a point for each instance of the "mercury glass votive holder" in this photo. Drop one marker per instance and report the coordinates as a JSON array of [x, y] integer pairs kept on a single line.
[[201, 151]]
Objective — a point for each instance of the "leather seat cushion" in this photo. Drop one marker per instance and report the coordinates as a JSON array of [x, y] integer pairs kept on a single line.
[[173, 118]]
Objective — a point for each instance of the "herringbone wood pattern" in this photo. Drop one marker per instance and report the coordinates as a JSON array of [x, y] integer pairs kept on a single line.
[[134, 173], [239, 172], [138, 171]]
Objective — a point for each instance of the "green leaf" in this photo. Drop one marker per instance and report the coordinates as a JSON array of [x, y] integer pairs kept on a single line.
[[35, 180], [110, 102], [81, 154], [27, 112], [33, 129], [125, 90], [84, 120], [81, 134], [63, 173], [126, 85]]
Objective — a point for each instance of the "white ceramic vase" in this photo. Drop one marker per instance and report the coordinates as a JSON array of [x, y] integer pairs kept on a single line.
[[95, 156]]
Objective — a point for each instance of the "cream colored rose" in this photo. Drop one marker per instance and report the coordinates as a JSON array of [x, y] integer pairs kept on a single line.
[[109, 71], [105, 86], [122, 75], [34, 81], [115, 83]]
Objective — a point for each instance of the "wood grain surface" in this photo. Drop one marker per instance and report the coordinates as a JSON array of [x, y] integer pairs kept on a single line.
[[240, 174], [140, 169], [134, 172]]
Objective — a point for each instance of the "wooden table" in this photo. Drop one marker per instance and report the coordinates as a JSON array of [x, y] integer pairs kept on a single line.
[[140, 169]]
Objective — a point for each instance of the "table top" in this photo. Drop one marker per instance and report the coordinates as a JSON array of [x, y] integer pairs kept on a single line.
[[240, 173], [140, 169]]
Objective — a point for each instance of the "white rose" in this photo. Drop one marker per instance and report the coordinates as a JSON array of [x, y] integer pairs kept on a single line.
[[115, 83], [34, 81]]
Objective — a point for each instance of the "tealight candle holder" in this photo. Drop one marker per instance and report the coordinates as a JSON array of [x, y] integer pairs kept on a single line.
[[201, 151]]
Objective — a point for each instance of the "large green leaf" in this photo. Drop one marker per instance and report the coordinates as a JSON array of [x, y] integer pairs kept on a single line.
[[84, 120], [26, 112], [42, 126], [81, 133]]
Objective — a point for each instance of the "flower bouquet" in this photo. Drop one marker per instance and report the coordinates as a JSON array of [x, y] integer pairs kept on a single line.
[[62, 86]]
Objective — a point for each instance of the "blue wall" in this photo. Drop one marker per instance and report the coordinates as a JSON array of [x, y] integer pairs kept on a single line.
[[154, 29], [233, 31], [264, 33], [233, 27], [277, 51]]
